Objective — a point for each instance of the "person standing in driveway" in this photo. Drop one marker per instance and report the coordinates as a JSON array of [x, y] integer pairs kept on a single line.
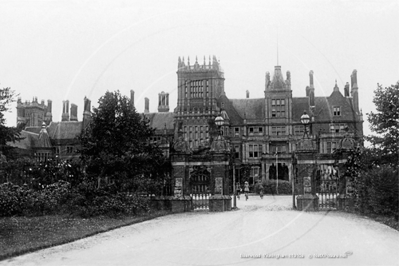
[[246, 190]]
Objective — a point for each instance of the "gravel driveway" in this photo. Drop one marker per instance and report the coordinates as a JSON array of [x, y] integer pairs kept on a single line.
[[261, 232]]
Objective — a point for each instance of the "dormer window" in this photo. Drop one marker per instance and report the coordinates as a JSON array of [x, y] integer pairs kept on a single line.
[[337, 110]]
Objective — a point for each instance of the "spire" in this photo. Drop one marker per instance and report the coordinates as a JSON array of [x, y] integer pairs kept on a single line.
[[277, 45], [336, 86], [278, 80]]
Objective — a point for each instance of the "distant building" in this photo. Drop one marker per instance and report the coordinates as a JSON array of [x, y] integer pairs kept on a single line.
[[43, 138], [263, 131]]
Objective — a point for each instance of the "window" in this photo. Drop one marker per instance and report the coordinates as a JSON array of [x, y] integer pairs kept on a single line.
[[237, 131], [251, 130], [337, 110], [69, 149], [278, 108], [337, 128], [260, 129], [278, 131], [299, 129], [237, 151], [255, 150]]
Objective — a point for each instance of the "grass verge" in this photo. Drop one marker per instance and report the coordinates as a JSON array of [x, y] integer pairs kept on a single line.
[[390, 221], [20, 235]]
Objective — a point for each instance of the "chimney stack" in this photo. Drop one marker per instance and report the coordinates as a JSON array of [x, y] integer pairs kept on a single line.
[[310, 89], [346, 89], [146, 105], [74, 112], [354, 91], [86, 112], [131, 99], [48, 116], [247, 94], [163, 102], [65, 111]]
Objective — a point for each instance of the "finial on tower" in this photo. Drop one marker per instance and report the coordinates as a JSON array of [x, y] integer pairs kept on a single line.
[[277, 45]]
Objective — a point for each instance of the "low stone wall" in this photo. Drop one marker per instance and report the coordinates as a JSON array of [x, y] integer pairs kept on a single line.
[[172, 204], [219, 203], [307, 202]]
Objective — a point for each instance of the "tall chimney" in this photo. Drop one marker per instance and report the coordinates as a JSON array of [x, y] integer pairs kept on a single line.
[[163, 102], [354, 91], [146, 105], [311, 89], [86, 113], [74, 112], [346, 89], [48, 117], [132, 99], [65, 111], [49, 106]]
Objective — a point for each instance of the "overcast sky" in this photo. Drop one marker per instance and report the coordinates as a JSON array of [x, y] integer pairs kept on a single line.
[[62, 50]]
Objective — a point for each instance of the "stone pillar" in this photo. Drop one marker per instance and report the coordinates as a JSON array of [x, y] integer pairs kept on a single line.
[[263, 171], [307, 200]]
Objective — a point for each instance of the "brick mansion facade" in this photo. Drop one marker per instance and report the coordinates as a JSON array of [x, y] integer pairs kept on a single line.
[[263, 132]]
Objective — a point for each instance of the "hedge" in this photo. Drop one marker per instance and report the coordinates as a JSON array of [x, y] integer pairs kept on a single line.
[[377, 191], [61, 198], [270, 187]]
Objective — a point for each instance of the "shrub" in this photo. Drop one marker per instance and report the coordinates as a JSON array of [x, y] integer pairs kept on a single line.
[[9, 200], [270, 187], [377, 191]]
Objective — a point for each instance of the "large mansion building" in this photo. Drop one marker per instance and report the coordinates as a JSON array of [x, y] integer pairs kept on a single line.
[[263, 132]]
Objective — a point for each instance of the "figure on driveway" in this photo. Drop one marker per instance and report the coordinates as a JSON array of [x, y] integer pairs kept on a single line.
[[261, 191], [246, 190]]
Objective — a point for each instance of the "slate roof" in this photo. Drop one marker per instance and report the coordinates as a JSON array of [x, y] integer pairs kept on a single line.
[[250, 109], [33, 129], [299, 105], [159, 120], [29, 140], [64, 129], [234, 116]]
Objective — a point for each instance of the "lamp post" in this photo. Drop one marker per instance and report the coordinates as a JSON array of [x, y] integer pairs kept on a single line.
[[276, 171], [219, 121], [305, 120]]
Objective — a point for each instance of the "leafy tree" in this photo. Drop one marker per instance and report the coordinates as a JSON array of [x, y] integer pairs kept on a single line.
[[7, 96], [116, 149], [385, 122]]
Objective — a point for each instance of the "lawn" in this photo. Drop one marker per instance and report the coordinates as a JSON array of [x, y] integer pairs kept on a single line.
[[19, 235]]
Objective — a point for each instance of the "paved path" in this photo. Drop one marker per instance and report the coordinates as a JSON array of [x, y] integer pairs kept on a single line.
[[265, 228]]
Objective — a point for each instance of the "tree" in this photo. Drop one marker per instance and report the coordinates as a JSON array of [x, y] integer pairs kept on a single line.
[[7, 134], [116, 149], [385, 122]]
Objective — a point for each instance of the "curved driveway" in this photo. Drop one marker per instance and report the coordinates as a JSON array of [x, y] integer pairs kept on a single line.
[[261, 232]]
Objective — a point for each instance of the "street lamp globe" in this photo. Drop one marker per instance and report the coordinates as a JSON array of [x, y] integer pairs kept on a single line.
[[305, 118], [219, 120]]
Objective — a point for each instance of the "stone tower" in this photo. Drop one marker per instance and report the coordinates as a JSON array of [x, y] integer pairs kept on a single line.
[[33, 113], [199, 88]]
